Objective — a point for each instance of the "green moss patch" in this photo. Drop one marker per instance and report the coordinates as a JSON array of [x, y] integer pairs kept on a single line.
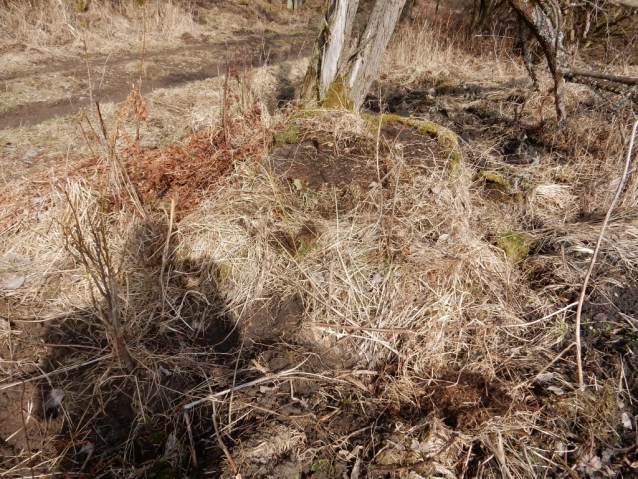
[[515, 245], [289, 136], [445, 137], [337, 97], [493, 179]]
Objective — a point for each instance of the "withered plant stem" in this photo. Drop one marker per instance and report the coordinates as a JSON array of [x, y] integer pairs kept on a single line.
[[223, 447], [98, 263], [57, 371], [139, 86], [88, 67], [171, 219], [191, 441], [26, 433], [583, 291]]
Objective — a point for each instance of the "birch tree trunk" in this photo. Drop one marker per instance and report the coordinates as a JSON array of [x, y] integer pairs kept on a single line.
[[294, 4], [362, 70], [340, 73], [328, 55]]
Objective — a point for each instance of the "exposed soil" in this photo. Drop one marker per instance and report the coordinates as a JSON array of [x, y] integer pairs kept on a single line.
[[317, 164], [466, 400], [272, 320], [323, 162]]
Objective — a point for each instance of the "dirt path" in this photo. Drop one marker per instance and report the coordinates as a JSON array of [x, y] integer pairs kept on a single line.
[[62, 88]]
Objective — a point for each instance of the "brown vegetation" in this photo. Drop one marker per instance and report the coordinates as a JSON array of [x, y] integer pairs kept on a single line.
[[318, 293]]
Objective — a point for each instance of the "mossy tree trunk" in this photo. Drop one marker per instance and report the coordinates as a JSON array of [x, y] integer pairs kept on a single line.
[[330, 50], [340, 72]]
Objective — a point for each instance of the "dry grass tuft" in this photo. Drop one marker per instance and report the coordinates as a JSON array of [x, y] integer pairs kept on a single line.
[[43, 24]]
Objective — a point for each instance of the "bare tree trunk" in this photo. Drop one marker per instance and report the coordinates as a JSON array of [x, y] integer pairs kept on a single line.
[[334, 39], [339, 76], [363, 69], [544, 19], [294, 4]]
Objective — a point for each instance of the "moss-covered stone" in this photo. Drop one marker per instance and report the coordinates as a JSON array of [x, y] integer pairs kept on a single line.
[[515, 245], [445, 137]]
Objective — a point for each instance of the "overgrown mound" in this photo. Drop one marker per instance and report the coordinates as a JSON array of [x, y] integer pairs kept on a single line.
[[327, 294]]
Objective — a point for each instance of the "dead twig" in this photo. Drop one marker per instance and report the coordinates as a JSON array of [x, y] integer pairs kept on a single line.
[[583, 291], [572, 72], [223, 447], [558, 356], [191, 441], [270, 377], [53, 373], [166, 248], [26, 433], [94, 253]]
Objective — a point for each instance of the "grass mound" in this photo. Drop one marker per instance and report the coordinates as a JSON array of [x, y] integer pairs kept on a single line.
[[320, 294]]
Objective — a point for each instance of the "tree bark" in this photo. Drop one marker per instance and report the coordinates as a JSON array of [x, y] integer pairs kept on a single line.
[[338, 75], [365, 63], [294, 4], [328, 54], [544, 19]]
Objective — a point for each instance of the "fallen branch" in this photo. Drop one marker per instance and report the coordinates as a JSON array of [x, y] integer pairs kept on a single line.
[[611, 87], [583, 291], [264, 379], [572, 72]]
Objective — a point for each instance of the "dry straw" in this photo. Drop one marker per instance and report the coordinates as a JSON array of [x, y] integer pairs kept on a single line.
[[407, 307]]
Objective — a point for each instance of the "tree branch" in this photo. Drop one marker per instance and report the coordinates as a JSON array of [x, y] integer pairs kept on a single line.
[[570, 73]]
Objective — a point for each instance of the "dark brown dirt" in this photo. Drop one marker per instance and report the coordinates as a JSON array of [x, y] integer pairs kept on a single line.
[[465, 400], [273, 319], [317, 163]]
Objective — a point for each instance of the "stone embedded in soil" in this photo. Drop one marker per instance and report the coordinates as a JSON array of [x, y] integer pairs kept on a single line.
[[12, 281]]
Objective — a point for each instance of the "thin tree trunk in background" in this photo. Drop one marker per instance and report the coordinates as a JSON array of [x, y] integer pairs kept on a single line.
[[338, 76], [546, 26], [406, 13], [333, 41], [294, 4], [363, 69]]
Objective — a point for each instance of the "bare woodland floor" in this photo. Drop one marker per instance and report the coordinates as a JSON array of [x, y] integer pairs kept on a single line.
[[305, 293]]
